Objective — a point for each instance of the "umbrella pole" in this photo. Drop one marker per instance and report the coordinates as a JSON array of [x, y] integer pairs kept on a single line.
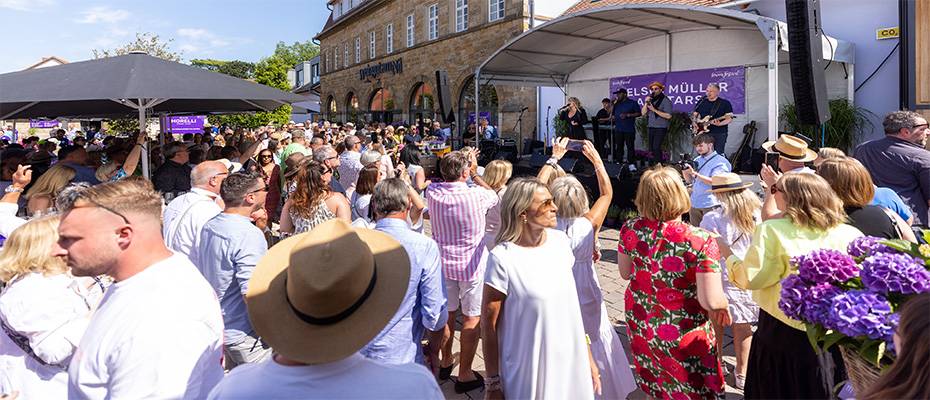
[[145, 150]]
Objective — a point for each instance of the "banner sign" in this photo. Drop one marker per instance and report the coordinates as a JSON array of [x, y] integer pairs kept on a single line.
[[181, 124], [686, 88], [42, 123], [484, 114]]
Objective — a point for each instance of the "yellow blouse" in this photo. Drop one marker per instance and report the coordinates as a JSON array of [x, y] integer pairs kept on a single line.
[[767, 261]]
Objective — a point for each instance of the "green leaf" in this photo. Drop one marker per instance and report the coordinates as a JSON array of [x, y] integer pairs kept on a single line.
[[832, 338], [926, 234], [872, 351], [815, 334]]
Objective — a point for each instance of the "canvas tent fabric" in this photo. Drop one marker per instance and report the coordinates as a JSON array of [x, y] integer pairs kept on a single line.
[[569, 52]]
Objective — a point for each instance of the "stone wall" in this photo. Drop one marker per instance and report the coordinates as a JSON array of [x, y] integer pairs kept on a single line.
[[458, 54]]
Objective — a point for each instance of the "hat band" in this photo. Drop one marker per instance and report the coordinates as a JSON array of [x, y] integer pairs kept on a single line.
[[727, 186], [340, 316], [789, 156]]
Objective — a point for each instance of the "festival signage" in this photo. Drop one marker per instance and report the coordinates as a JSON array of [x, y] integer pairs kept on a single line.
[[43, 124], [483, 114], [686, 88], [374, 71], [181, 124]]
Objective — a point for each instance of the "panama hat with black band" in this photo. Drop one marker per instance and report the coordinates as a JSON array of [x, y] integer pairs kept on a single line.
[[727, 182], [323, 295]]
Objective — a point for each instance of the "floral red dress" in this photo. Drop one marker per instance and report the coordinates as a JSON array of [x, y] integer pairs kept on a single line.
[[672, 340]]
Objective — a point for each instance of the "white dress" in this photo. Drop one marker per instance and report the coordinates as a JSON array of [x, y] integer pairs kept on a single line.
[[742, 308], [543, 351], [616, 377]]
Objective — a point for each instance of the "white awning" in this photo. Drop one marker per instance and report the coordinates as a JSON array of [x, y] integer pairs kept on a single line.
[[549, 53]]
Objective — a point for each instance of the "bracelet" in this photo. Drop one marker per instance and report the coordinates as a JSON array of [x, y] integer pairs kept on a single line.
[[492, 383]]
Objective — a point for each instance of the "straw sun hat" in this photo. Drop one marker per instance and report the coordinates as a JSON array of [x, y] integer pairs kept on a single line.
[[792, 148], [321, 296], [726, 182]]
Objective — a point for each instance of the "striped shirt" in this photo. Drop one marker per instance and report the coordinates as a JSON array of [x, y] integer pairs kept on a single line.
[[458, 214]]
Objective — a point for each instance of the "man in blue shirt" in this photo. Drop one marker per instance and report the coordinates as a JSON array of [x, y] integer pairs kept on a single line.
[[708, 164], [231, 244], [624, 113], [424, 305], [719, 112], [487, 131]]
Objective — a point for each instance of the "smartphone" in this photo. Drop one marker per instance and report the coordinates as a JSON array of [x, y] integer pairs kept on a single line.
[[575, 145], [771, 159]]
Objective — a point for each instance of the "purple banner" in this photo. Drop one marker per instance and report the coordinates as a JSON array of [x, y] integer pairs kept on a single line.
[[181, 124], [483, 114], [42, 123], [686, 88]]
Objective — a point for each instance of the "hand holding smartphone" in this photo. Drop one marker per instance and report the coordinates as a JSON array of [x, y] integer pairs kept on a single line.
[[575, 145], [771, 159]]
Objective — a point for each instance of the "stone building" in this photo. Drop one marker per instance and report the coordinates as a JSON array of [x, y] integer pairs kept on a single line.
[[379, 58]]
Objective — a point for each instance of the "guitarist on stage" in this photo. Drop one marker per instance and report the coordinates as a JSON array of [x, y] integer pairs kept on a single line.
[[720, 113]]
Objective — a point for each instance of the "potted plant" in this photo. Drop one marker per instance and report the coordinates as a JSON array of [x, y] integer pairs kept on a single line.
[[850, 299], [613, 212], [676, 140], [847, 123]]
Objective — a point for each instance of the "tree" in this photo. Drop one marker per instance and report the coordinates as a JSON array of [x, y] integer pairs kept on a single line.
[[147, 42], [270, 71], [237, 68], [295, 53], [208, 64]]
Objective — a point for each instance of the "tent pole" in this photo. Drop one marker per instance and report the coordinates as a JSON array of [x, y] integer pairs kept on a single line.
[[477, 102], [145, 150], [851, 83], [773, 89]]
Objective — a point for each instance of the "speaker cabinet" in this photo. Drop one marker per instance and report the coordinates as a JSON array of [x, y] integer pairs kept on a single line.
[[445, 97], [805, 58]]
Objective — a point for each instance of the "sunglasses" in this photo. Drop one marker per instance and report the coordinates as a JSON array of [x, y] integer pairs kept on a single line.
[[774, 189], [98, 205], [266, 156], [263, 189]]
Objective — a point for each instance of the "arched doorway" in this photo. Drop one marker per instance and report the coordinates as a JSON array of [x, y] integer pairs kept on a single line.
[[422, 103], [382, 107], [488, 106], [330, 110], [351, 109]]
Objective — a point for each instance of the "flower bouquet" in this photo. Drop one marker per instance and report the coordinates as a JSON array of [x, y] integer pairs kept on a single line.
[[851, 300]]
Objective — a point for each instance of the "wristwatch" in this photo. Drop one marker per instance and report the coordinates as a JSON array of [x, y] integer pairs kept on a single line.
[[552, 162], [11, 189]]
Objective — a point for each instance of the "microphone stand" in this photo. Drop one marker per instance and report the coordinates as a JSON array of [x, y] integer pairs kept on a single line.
[[548, 109]]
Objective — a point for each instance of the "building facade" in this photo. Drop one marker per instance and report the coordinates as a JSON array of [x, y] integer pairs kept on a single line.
[[378, 60]]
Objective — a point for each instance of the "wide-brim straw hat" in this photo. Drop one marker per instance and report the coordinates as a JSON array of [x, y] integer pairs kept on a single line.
[[656, 83], [726, 182], [323, 295], [792, 148]]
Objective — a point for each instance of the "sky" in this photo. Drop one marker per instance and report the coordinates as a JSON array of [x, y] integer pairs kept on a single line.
[[220, 29]]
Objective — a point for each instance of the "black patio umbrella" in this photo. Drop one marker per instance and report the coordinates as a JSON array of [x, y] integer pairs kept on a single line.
[[135, 83]]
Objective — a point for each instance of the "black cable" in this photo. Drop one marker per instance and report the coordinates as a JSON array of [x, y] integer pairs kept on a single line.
[[832, 50], [878, 67]]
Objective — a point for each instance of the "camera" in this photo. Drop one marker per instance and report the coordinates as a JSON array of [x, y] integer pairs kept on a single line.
[[685, 161]]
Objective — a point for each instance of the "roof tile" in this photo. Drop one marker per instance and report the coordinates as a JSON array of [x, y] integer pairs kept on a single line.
[[585, 5]]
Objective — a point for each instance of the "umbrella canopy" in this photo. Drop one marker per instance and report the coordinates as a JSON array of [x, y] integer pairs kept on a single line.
[[114, 86]]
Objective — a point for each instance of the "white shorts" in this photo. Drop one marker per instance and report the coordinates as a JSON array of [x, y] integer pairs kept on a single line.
[[466, 293]]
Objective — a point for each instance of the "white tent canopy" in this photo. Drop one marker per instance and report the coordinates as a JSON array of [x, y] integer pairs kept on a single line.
[[551, 54]]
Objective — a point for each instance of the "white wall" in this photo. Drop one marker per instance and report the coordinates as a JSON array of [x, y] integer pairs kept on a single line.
[[550, 100], [697, 50], [552, 8]]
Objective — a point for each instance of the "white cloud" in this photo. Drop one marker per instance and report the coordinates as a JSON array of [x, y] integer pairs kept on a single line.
[[188, 48], [199, 38], [102, 14], [193, 33], [25, 5]]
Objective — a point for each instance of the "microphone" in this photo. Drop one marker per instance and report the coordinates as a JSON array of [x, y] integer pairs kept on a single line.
[[524, 109]]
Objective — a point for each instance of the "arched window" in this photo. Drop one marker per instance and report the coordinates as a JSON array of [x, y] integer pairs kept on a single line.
[[422, 103], [330, 110], [382, 106], [351, 109], [489, 107]]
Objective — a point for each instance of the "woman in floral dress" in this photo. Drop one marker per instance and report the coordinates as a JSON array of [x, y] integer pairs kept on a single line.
[[675, 290]]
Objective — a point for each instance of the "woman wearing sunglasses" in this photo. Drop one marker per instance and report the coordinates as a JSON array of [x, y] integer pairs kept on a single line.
[[313, 202], [271, 174]]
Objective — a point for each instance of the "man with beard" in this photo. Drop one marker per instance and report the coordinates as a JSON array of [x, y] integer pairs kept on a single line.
[[658, 109]]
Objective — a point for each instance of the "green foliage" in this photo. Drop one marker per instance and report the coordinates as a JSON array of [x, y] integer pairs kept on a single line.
[[270, 71], [239, 69], [678, 138], [208, 64], [123, 125], [296, 52], [847, 124], [560, 126], [147, 42]]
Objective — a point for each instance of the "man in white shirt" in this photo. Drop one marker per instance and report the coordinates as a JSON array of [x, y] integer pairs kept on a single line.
[[158, 332], [350, 164], [185, 216], [345, 286]]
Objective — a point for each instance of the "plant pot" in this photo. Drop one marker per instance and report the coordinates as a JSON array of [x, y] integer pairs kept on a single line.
[[610, 222], [862, 374]]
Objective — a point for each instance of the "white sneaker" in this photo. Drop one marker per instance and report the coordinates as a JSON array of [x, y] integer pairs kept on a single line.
[[739, 382]]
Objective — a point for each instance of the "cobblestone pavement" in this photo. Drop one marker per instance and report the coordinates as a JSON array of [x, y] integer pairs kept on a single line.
[[613, 287]]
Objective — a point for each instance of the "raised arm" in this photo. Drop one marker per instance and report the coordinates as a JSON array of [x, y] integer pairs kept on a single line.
[[132, 160], [559, 148], [598, 211]]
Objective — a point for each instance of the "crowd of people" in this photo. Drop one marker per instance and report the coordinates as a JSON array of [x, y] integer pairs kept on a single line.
[[295, 262]]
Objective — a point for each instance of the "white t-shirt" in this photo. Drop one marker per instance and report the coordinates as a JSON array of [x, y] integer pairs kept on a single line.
[[355, 377], [543, 350], [185, 217], [158, 334]]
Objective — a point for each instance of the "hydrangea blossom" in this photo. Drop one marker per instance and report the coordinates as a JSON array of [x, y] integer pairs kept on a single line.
[[867, 245], [861, 313], [792, 301], [826, 266], [895, 273], [807, 302]]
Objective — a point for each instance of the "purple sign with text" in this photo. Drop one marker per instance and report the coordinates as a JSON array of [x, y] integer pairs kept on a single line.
[[484, 114], [686, 88], [41, 123], [181, 124]]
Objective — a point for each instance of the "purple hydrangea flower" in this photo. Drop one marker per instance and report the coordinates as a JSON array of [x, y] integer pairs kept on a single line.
[[826, 266], [861, 313], [866, 245], [893, 320], [793, 300], [895, 273], [819, 299]]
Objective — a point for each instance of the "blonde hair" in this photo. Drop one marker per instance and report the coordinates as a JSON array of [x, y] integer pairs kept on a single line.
[[29, 249], [810, 202], [51, 182], [740, 206], [849, 179], [131, 195], [575, 101], [826, 153], [517, 199], [569, 196], [661, 195], [497, 173]]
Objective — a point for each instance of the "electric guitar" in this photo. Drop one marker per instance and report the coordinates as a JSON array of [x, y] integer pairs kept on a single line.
[[702, 125]]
